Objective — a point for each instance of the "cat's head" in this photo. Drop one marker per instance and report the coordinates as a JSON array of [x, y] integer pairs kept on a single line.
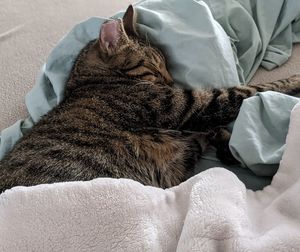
[[120, 50]]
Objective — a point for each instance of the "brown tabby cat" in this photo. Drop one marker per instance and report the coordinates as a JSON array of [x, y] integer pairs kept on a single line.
[[123, 118]]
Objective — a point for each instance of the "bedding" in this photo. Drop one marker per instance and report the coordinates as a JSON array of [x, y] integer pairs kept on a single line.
[[211, 211], [180, 34], [262, 124], [263, 31]]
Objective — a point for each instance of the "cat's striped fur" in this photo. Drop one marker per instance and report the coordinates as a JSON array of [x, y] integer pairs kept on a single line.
[[123, 118]]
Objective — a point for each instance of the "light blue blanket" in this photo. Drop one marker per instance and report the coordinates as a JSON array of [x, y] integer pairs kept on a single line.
[[261, 150], [263, 31], [211, 43]]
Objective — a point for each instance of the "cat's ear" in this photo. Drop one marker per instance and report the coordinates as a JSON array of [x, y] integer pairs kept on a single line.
[[129, 21], [109, 34]]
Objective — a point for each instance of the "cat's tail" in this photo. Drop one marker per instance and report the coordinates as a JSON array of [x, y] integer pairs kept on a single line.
[[290, 86]]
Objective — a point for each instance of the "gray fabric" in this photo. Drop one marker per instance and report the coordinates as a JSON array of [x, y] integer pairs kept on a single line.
[[262, 31], [250, 179], [259, 132]]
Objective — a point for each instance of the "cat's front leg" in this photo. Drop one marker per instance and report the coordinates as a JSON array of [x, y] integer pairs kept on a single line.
[[169, 156]]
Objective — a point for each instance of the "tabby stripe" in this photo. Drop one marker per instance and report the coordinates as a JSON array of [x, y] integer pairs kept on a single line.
[[88, 107], [41, 169], [245, 90], [268, 86], [279, 85], [143, 75], [152, 113], [68, 134], [214, 104], [94, 134], [121, 108], [258, 88], [189, 101], [87, 161], [167, 103], [61, 153], [234, 102], [79, 142], [210, 115], [139, 64], [67, 129]]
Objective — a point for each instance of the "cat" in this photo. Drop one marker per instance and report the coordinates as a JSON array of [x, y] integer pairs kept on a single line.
[[122, 117]]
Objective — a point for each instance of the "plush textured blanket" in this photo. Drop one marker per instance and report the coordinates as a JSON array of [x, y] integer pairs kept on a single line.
[[212, 211], [181, 33]]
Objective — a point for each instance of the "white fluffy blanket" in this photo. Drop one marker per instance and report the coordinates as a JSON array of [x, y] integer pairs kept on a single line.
[[210, 212]]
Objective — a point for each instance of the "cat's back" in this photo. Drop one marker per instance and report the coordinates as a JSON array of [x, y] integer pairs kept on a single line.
[[84, 136]]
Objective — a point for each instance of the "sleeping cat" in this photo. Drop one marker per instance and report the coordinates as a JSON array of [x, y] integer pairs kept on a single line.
[[122, 117]]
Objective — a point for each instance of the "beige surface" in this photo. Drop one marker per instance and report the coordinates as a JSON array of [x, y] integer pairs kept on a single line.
[[30, 29], [291, 67]]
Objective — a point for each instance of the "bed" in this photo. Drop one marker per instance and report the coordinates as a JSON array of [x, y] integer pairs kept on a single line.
[[211, 210]]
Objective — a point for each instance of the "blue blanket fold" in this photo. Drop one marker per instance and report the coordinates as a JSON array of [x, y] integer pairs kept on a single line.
[[263, 31], [261, 150]]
